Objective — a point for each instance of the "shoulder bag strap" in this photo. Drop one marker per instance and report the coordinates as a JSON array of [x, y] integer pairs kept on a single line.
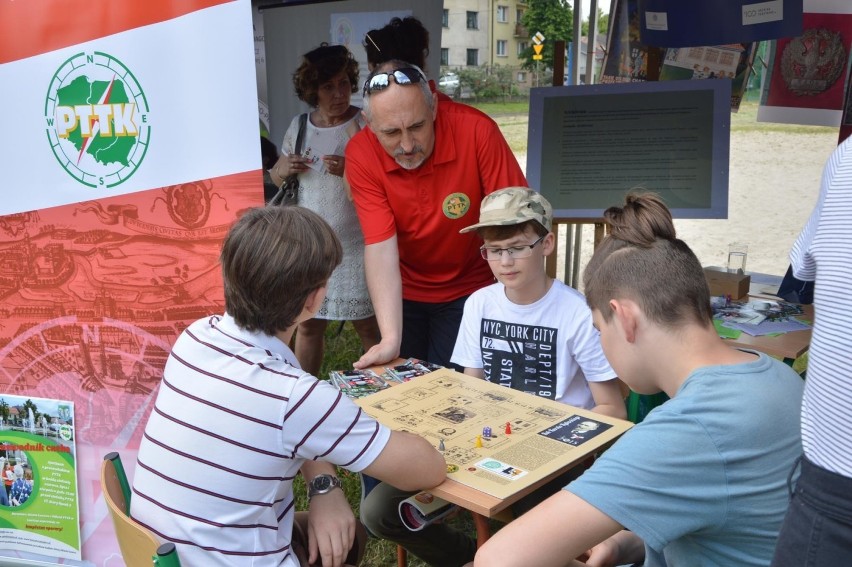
[[300, 137]]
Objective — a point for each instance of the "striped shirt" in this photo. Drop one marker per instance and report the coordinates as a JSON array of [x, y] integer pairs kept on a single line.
[[823, 254], [234, 420]]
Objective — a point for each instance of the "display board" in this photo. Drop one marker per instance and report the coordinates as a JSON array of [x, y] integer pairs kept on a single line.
[[452, 411], [588, 145]]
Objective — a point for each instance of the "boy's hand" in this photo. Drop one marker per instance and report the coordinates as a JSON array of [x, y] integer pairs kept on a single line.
[[623, 547], [331, 529]]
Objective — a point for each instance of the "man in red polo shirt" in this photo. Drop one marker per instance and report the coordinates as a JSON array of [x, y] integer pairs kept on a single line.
[[418, 174]]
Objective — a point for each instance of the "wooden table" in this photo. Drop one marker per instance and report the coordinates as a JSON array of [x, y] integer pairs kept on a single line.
[[788, 346], [547, 438]]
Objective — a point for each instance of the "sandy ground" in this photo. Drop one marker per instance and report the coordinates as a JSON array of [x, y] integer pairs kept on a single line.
[[774, 184]]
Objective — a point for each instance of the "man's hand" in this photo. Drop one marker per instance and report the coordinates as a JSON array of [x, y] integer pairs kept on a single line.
[[381, 353], [331, 528]]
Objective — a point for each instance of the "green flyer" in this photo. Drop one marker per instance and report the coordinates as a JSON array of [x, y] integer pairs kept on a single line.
[[39, 500]]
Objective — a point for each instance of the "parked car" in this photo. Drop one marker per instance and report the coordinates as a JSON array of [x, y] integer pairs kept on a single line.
[[449, 84]]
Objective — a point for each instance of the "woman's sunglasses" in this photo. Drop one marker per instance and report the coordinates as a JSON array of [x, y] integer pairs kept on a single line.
[[403, 76]]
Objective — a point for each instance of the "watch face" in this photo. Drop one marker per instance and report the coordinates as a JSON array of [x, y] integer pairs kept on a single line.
[[322, 483]]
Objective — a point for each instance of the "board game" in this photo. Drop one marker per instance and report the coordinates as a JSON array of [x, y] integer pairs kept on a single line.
[[494, 439]]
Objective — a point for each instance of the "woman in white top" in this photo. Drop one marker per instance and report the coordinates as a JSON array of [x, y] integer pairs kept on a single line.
[[325, 80]]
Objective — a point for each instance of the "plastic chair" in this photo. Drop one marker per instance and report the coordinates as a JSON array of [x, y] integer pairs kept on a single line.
[[139, 547]]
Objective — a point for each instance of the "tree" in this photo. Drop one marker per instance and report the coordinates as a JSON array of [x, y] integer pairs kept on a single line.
[[603, 24], [555, 20], [4, 410]]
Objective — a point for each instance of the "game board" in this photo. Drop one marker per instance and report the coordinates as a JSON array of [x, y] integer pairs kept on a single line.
[[451, 409]]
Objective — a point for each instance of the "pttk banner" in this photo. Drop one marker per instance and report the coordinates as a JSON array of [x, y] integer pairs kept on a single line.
[[129, 146]]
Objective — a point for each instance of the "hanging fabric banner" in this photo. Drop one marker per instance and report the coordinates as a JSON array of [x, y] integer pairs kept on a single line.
[[130, 145]]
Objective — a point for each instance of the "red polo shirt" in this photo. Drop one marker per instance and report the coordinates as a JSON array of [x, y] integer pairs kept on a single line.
[[426, 207]]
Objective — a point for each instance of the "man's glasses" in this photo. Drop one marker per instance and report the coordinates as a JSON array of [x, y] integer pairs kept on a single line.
[[525, 251], [403, 76]]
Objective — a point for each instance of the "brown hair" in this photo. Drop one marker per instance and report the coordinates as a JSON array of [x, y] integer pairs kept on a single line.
[[320, 66], [272, 259], [642, 259], [502, 232], [405, 39]]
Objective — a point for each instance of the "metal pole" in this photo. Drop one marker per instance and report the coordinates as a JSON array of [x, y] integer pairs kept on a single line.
[[591, 42]]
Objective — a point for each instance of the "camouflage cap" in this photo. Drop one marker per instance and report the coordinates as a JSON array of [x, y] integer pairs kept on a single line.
[[513, 205]]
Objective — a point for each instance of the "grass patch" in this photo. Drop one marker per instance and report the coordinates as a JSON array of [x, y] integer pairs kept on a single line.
[[495, 109]]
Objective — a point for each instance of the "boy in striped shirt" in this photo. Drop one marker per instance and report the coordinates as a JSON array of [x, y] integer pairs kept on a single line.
[[236, 419]]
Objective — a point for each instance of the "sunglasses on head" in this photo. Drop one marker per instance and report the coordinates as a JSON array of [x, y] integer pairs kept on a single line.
[[403, 76]]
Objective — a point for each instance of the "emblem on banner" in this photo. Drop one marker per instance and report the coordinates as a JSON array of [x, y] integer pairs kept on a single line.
[[96, 118], [812, 62]]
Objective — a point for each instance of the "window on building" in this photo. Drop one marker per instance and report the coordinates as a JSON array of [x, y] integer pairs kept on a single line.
[[473, 57], [501, 47], [445, 18], [473, 20], [502, 14], [519, 14], [522, 77], [522, 46], [445, 56]]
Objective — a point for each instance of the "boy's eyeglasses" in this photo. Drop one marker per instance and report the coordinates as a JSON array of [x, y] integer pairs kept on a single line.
[[525, 251], [403, 76]]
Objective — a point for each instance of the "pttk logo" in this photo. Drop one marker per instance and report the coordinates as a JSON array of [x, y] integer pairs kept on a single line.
[[97, 119]]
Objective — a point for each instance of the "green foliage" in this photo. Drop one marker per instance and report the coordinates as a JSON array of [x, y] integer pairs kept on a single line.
[[483, 82], [555, 20], [603, 24]]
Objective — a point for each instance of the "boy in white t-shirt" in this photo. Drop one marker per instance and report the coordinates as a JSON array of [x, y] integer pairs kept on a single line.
[[529, 331]]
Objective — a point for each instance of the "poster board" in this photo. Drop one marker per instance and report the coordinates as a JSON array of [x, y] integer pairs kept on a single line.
[[589, 145], [448, 406]]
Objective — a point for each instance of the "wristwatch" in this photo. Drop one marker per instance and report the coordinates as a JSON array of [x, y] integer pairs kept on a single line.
[[323, 484]]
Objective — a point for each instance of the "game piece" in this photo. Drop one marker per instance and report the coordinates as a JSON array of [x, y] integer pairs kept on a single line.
[[478, 441], [508, 428], [441, 447], [486, 432]]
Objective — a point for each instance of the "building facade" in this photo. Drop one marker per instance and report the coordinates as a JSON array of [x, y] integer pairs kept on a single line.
[[484, 33]]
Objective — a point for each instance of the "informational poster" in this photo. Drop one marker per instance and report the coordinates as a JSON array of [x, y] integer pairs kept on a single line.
[[132, 148], [732, 61], [808, 71], [589, 145], [39, 513], [626, 58]]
